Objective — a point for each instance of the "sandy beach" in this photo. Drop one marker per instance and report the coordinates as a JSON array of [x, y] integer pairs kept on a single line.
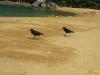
[[53, 53]]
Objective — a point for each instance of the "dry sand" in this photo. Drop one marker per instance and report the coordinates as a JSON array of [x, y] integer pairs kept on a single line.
[[52, 54]]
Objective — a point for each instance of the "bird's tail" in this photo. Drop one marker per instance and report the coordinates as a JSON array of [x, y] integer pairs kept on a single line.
[[42, 34], [72, 31]]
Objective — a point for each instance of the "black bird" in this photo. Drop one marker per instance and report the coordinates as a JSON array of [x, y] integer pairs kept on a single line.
[[66, 30], [36, 33]]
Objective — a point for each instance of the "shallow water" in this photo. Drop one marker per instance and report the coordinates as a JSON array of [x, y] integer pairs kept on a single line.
[[30, 12]]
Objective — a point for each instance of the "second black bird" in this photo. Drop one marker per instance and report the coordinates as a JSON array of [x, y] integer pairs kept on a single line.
[[36, 33], [66, 30]]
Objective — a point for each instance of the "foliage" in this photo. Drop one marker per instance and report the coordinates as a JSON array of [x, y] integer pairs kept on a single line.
[[70, 3]]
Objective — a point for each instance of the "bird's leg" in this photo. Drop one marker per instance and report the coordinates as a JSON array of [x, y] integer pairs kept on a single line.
[[69, 34], [39, 37], [65, 35], [34, 37]]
